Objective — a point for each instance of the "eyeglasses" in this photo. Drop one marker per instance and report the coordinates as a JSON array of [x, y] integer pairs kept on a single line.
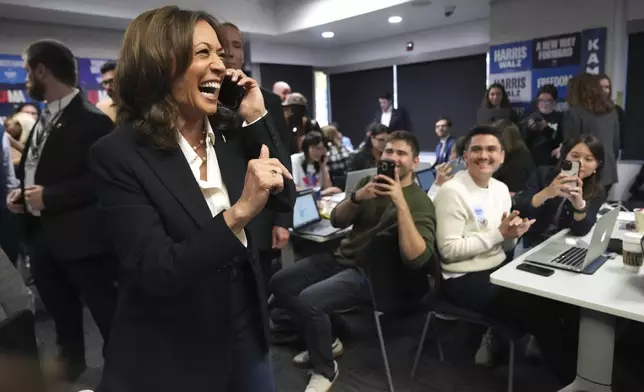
[[107, 82], [550, 101]]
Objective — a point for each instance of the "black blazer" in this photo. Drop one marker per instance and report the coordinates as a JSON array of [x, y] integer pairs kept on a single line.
[[70, 223], [173, 328], [399, 120], [265, 221]]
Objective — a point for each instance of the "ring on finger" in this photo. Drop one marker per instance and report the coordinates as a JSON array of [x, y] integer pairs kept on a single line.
[[274, 172]]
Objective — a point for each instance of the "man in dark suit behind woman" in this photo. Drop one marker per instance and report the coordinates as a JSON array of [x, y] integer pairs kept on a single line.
[[70, 257], [272, 228], [179, 197], [443, 130], [394, 119]]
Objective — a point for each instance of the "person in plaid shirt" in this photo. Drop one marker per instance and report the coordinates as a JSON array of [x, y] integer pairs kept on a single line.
[[337, 154]]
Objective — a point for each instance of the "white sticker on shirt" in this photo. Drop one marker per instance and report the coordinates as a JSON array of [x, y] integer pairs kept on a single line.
[[480, 216]]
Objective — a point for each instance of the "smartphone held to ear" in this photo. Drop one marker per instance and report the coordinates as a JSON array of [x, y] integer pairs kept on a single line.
[[570, 169], [231, 95], [387, 168]]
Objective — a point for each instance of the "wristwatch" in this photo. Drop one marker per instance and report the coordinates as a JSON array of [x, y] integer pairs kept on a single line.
[[353, 198]]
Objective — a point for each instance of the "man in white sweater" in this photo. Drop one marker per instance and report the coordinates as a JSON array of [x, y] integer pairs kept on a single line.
[[474, 222]]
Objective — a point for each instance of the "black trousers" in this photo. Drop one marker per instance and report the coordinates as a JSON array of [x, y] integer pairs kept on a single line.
[[64, 285], [555, 325]]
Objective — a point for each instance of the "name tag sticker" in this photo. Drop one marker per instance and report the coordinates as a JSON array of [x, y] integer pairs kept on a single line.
[[480, 216]]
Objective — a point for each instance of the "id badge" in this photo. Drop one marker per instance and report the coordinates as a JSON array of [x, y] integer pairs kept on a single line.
[[480, 216]]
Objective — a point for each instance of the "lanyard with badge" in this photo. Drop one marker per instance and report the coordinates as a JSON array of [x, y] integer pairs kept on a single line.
[[43, 131]]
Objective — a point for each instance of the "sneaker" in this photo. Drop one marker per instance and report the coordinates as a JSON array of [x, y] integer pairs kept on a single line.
[[484, 353], [303, 359], [319, 383]]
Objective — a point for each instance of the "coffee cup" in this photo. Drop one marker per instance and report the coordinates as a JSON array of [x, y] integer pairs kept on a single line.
[[632, 254], [639, 219]]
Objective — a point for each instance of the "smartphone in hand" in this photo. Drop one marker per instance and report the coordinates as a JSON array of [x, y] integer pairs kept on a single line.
[[570, 168], [230, 94], [387, 168]]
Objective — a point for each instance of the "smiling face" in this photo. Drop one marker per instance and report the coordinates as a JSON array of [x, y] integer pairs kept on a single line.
[[484, 156], [588, 163], [442, 128], [401, 153], [495, 96], [197, 90]]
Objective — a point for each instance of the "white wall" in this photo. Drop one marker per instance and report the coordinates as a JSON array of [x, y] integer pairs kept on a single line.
[[84, 42]]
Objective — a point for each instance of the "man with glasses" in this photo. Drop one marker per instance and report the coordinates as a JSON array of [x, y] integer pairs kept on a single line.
[[543, 131], [107, 105]]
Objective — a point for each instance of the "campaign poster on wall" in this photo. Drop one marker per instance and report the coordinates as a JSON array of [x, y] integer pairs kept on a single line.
[[13, 77], [523, 67], [13, 89]]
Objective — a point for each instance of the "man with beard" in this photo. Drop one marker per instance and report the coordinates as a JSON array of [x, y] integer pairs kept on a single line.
[[107, 105], [391, 211], [271, 232], [70, 259]]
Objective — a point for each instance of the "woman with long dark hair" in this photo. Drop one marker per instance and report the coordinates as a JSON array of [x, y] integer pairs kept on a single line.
[[558, 201], [310, 168], [517, 165], [497, 98], [179, 197], [369, 154], [591, 113]]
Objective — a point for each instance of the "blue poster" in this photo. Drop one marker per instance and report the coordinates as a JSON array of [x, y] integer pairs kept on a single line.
[[89, 78], [13, 78], [593, 51], [558, 77], [513, 57], [12, 69]]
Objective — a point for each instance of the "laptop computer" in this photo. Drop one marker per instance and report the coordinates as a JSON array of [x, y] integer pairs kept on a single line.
[[355, 176], [575, 258], [425, 179], [307, 219]]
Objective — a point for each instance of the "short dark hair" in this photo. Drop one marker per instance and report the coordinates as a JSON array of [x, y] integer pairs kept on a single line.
[[548, 89], [376, 129], [406, 137], [230, 24], [387, 95], [54, 56], [20, 106], [482, 130], [446, 119], [108, 66]]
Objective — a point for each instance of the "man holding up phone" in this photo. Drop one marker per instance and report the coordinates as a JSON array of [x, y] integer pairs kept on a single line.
[[272, 234], [384, 209]]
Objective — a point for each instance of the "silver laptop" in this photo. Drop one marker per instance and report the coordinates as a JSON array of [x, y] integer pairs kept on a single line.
[[574, 258], [355, 176], [307, 219]]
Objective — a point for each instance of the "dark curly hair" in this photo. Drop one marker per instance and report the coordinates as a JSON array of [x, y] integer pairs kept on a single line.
[[156, 51]]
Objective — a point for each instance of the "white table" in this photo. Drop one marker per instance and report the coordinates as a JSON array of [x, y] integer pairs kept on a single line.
[[611, 292]]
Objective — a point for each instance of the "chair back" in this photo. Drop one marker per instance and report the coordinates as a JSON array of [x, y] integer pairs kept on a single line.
[[394, 285]]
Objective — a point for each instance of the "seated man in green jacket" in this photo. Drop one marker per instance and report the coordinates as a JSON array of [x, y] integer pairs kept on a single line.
[[325, 283]]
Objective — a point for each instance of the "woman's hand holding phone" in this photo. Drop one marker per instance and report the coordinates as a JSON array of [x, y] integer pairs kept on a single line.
[[252, 105]]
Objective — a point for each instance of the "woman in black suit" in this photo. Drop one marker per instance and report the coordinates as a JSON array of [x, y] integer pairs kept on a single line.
[[179, 199]]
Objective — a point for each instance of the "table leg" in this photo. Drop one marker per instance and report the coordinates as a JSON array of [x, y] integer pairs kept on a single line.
[[595, 353], [287, 257]]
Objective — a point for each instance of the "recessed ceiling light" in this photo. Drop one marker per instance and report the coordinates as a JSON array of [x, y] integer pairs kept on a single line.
[[328, 34], [395, 19]]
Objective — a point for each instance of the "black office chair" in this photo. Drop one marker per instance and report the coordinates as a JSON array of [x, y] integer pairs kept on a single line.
[[394, 287], [436, 304]]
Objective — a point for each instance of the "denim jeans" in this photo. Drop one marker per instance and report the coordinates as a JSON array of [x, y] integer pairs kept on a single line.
[[312, 289]]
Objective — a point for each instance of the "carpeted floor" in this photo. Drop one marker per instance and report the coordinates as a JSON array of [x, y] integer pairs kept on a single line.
[[362, 369]]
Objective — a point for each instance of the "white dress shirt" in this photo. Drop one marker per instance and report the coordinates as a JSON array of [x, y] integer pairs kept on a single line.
[[213, 188], [31, 162], [385, 118]]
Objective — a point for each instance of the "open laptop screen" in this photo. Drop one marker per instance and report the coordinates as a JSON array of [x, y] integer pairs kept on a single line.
[[425, 179], [305, 210]]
